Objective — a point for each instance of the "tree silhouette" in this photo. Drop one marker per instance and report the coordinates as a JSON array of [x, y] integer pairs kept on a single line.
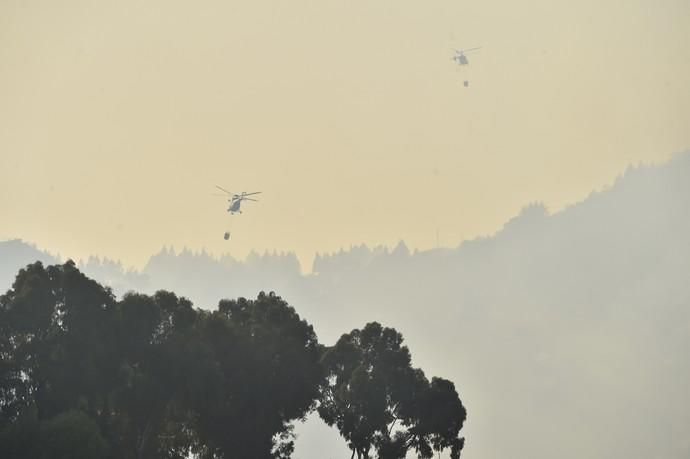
[[269, 375], [378, 401], [56, 351], [83, 375]]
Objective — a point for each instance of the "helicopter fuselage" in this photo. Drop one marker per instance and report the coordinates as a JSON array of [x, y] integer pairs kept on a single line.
[[235, 206], [460, 59]]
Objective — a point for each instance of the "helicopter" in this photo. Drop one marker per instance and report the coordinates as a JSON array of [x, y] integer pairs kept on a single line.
[[460, 57], [235, 200]]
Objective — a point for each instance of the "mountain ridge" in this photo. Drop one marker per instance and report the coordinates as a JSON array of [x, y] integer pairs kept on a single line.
[[574, 325]]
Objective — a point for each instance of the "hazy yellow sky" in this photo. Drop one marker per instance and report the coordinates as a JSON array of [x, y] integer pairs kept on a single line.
[[117, 118]]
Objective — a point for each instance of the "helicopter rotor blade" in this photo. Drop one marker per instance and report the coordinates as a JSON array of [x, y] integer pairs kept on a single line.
[[472, 49], [249, 194], [223, 189], [250, 199]]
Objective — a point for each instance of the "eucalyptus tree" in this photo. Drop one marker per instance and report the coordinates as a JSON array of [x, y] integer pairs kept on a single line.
[[83, 374], [379, 402], [270, 374]]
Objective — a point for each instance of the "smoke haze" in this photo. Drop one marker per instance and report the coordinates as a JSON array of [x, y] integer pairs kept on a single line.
[[566, 334]]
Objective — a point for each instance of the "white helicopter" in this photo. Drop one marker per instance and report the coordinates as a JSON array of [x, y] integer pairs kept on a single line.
[[460, 57], [235, 200]]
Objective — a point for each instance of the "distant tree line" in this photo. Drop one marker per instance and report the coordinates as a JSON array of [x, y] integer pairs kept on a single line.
[[84, 375]]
